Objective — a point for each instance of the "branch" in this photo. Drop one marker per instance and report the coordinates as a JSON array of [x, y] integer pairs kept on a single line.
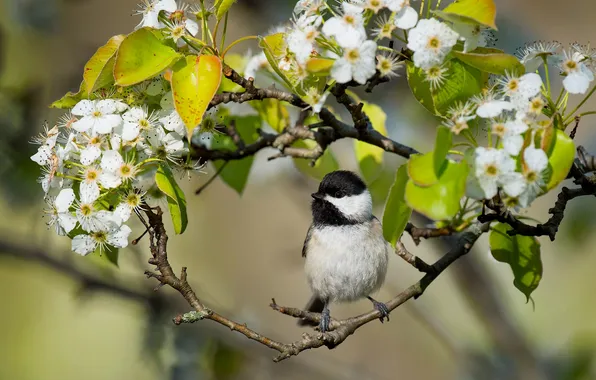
[[340, 330], [417, 232], [332, 130]]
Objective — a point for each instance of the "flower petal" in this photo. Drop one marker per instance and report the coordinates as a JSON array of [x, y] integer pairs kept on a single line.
[[64, 200], [83, 244]]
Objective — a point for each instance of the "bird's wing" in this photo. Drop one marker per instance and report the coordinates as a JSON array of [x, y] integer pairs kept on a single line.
[[307, 240]]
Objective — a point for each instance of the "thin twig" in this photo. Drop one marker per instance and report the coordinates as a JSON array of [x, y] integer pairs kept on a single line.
[[210, 180]]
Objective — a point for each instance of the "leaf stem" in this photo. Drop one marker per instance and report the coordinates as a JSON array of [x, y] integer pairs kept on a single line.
[[237, 42], [223, 37]]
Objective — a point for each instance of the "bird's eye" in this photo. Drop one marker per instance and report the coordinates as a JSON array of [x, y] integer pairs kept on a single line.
[[339, 194]]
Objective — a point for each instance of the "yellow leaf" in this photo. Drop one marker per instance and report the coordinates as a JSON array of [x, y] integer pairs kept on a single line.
[[194, 82]]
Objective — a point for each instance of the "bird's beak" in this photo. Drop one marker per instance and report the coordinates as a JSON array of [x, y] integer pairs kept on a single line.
[[317, 196]]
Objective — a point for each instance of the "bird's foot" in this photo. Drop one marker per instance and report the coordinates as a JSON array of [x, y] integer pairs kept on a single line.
[[382, 308], [325, 319]]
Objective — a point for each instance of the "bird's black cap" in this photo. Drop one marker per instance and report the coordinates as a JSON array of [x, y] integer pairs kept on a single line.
[[339, 184]]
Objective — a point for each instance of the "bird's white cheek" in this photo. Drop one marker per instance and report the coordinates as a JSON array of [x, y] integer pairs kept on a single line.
[[355, 206]]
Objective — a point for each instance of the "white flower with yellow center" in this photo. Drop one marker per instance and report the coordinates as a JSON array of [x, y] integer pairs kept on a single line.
[[115, 170], [436, 75], [90, 153], [357, 63], [388, 65], [383, 27], [137, 119], [96, 116], [131, 201], [347, 28], [116, 237], [431, 41], [510, 132], [578, 74], [92, 219], [494, 168], [90, 183], [534, 165]]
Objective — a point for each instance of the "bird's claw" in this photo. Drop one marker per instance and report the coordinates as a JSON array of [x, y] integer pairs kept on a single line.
[[382, 308]]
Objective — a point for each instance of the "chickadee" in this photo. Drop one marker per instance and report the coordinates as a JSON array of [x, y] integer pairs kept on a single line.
[[346, 254]]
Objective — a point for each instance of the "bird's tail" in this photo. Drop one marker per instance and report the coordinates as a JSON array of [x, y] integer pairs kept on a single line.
[[315, 305]]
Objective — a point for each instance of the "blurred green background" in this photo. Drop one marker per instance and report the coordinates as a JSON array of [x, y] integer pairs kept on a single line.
[[56, 322]]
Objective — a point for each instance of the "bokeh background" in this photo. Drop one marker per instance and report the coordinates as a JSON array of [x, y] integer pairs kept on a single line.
[[57, 322]]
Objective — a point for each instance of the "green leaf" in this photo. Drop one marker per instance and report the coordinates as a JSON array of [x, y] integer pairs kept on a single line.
[[441, 200], [194, 83], [442, 146], [319, 65], [141, 56], [522, 253], [70, 99], [164, 178], [421, 169], [223, 6], [420, 89], [274, 112], [274, 46], [482, 12], [491, 61], [236, 172], [324, 165], [560, 158], [462, 82], [99, 70], [397, 213], [370, 157]]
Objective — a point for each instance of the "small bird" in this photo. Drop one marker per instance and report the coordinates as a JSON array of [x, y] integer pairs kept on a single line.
[[346, 253]]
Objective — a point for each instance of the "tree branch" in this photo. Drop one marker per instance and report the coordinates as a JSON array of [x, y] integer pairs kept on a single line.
[[340, 330], [333, 128]]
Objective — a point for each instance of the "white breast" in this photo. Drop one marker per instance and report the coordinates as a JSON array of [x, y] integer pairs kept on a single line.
[[345, 263]]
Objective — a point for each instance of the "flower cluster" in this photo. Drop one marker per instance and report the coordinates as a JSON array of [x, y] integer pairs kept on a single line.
[[577, 63], [511, 109], [319, 31], [99, 162]]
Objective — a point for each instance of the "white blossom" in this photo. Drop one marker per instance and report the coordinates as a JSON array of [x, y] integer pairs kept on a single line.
[[116, 237], [59, 211], [578, 74], [510, 133], [357, 63], [494, 168], [534, 164], [431, 41], [347, 28], [97, 116], [137, 119]]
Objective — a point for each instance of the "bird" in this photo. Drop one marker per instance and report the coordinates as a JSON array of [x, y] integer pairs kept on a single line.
[[345, 252]]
